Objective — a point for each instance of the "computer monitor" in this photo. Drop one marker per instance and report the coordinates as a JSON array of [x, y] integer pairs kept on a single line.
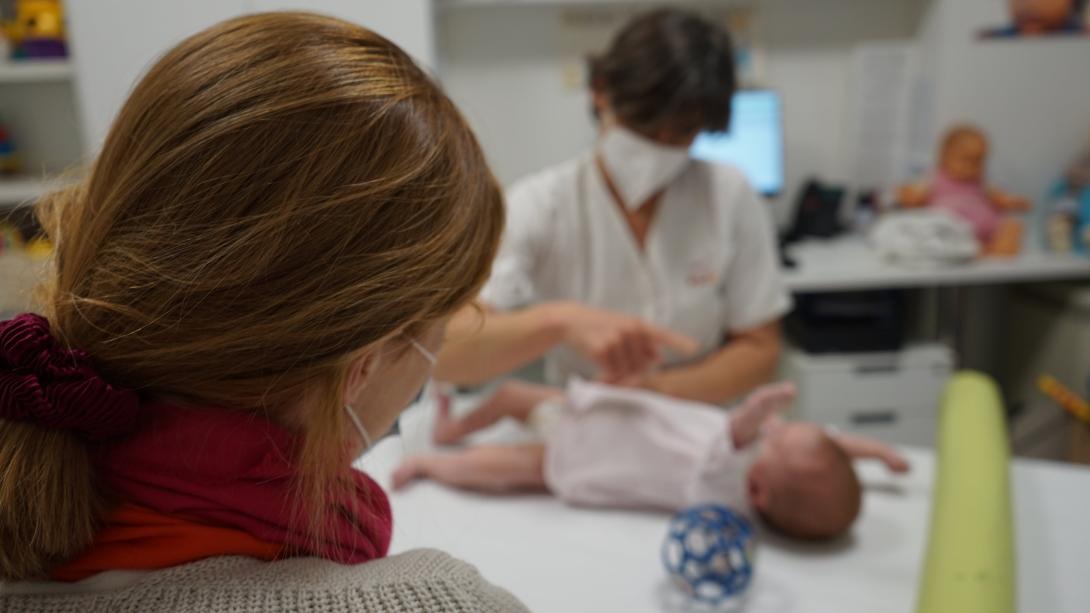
[[754, 141]]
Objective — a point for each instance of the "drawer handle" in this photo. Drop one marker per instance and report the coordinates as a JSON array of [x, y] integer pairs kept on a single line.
[[874, 418], [876, 369]]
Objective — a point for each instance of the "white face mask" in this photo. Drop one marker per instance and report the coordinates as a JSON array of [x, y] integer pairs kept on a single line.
[[639, 167], [366, 438]]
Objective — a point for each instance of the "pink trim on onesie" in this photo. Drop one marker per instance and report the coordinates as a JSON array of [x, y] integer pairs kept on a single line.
[[619, 447]]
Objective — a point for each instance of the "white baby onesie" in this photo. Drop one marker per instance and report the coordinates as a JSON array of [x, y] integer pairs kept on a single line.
[[611, 446]]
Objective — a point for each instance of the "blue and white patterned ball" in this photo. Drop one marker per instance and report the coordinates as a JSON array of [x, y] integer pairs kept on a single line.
[[709, 553]]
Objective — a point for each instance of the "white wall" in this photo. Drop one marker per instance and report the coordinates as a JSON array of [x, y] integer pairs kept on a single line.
[[513, 69], [409, 23], [115, 41]]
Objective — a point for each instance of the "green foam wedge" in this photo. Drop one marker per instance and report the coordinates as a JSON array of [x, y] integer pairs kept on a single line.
[[969, 565]]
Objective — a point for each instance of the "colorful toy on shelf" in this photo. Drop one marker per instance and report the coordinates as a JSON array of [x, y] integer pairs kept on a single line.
[[709, 553], [1043, 18], [9, 157], [1067, 218], [959, 187], [10, 238], [1063, 396], [38, 248], [37, 31]]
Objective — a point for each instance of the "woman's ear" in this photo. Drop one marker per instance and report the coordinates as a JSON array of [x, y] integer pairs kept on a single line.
[[602, 109], [360, 371]]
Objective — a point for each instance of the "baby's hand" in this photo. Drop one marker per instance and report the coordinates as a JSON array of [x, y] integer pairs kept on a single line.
[[1010, 202], [755, 412], [896, 462]]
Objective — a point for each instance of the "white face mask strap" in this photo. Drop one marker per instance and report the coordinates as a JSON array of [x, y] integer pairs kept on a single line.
[[359, 425], [428, 355]]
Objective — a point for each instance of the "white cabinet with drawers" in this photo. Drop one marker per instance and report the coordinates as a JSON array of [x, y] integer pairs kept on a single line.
[[892, 396]]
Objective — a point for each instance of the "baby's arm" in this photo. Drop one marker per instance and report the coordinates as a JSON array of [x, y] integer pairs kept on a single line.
[[862, 447], [767, 402], [1007, 202], [514, 399], [914, 195], [488, 468]]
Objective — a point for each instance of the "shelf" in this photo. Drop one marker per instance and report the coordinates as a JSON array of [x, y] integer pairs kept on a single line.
[[453, 4], [30, 71], [20, 190]]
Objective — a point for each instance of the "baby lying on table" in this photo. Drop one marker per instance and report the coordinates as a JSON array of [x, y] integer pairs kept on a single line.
[[612, 446]]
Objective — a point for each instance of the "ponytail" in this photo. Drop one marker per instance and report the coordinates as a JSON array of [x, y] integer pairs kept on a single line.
[[53, 405], [49, 506]]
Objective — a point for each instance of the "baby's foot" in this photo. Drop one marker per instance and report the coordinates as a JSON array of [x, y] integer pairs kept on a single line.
[[447, 430], [408, 471]]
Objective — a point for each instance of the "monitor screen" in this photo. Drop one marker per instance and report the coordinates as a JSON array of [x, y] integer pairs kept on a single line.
[[754, 142]]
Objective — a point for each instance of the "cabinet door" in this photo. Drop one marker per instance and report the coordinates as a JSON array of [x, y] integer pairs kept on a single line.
[[409, 23], [114, 41]]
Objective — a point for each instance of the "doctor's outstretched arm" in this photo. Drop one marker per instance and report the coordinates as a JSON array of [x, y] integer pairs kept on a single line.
[[748, 360], [483, 343]]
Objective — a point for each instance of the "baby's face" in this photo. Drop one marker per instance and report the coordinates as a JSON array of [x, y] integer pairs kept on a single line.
[[965, 158]]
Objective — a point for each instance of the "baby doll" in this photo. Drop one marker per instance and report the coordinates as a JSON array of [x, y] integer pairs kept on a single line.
[[620, 447], [958, 187], [1041, 17]]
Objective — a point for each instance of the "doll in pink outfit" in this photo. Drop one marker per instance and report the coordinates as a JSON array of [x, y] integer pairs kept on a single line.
[[620, 447], [959, 187]]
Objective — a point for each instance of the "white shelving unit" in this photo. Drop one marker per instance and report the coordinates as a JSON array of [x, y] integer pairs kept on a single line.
[[473, 3], [29, 71], [38, 107], [18, 191]]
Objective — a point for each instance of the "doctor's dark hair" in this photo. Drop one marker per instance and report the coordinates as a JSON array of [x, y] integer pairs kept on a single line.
[[668, 68], [280, 193]]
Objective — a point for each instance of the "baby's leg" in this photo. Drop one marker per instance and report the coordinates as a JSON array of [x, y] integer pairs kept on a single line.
[[859, 447], [762, 405], [488, 468], [513, 399]]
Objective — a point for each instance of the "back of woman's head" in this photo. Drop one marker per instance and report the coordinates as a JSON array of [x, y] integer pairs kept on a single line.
[[278, 192], [668, 68]]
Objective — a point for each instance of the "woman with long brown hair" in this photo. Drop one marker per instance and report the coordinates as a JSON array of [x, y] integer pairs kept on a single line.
[[249, 285]]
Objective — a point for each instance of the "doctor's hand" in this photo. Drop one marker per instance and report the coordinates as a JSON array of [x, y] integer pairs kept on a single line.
[[622, 346]]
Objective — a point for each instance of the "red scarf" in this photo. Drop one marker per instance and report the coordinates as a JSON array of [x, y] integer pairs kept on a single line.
[[135, 538], [215, 467], [234, 469]]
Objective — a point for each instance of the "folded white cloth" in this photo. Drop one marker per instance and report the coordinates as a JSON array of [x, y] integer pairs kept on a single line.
[[924, 238]]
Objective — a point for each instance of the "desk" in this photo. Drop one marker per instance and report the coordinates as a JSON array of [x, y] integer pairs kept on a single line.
[[848, 263], [558, 558]]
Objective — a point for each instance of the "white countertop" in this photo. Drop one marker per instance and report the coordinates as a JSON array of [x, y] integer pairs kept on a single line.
[[848, 263], [558, 558]]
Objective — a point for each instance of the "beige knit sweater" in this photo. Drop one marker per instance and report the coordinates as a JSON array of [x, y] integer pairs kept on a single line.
[[420, 580]]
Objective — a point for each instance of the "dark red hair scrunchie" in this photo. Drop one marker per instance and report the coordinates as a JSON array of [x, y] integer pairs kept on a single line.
[[44, 383]]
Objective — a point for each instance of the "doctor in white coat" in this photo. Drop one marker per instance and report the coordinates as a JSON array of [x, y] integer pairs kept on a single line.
[[633, 263]]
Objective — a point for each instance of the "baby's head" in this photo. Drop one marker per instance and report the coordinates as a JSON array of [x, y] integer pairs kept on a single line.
[[803, 484], [964, 153]]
